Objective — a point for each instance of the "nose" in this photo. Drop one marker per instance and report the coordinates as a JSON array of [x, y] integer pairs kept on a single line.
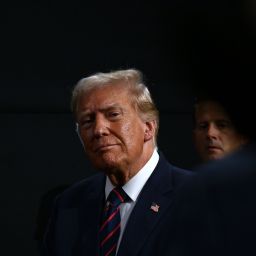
[[212, 131], [101, 126]]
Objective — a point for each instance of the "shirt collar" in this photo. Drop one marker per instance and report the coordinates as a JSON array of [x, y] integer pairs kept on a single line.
[[136, 183]]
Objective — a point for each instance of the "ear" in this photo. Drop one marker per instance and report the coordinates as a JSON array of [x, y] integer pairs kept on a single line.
[[244, 140], [150, 130], [79, 136]]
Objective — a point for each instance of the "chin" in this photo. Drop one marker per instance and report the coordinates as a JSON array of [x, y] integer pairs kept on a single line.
[[107, 161], [106, 165], [215, 157]]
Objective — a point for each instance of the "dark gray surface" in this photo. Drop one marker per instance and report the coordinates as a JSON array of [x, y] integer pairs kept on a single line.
[[47, 46]]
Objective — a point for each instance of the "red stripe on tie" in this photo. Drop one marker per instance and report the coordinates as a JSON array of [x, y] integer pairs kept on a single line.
[[119, 196], [111, 249], [110, 234], [111, 223], [109, 219]]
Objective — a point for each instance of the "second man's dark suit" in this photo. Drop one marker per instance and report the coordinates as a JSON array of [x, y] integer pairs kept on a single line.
[[215, 212]]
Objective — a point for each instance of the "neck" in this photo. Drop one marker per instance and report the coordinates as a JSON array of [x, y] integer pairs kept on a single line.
[[121, 176]]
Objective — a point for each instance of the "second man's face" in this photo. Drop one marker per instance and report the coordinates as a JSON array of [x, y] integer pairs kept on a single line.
[[214, 134], [110, 127]]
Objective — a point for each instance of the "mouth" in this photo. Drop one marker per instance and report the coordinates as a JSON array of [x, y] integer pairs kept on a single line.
[[102, 148], [214, 148]]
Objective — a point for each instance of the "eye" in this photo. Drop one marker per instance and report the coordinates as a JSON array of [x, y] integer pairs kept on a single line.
[[114, 114], [85, 122], [223, 124], [202, 126]]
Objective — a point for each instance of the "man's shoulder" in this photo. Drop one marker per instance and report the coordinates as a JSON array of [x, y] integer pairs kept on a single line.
[[180, 171], [82, 189], [164, 163], [173, 174]]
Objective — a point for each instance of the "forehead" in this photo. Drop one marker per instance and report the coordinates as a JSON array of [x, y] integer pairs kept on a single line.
[[210, 110], [104, 97]]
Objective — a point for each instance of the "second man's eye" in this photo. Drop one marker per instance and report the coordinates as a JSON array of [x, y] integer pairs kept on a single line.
[[202, 126], [223, 124]]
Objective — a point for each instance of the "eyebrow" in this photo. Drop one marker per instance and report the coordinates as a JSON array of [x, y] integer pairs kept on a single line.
[[103, 109]]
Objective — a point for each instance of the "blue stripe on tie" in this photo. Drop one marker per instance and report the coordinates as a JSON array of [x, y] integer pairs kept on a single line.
[[111, 222]]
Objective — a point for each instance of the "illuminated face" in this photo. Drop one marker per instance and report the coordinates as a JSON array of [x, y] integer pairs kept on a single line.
[[114, 135], [214, 134]]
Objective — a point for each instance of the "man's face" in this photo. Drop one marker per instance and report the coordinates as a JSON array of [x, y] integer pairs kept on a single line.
[[214, 134], [112, 131]]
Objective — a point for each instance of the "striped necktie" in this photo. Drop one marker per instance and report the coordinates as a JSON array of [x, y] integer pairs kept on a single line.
[[111, 222]]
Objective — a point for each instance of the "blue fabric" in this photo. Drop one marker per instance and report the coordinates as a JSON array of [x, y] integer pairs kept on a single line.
[[111, 222], [75, 223]]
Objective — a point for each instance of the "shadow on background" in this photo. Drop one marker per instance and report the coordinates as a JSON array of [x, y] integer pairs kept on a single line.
[[47, 47]]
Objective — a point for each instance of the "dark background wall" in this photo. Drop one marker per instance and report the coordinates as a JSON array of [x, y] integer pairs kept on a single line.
[[46, 47]]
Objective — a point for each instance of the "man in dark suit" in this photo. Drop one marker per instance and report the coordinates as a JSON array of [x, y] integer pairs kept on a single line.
[[215, 214], [215, 211], [117, 122]]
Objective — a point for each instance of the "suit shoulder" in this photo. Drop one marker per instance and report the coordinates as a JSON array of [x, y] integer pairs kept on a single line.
[[165, 164], [181, 171], [81, 189]]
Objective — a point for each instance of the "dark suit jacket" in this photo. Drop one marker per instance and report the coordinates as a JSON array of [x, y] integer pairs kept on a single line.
[[216, 210], [73, 229]]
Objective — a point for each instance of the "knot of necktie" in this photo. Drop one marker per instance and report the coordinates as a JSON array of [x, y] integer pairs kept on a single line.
[[117, 196]]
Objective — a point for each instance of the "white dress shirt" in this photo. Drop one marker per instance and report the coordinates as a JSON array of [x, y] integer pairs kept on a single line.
[[133, 188]]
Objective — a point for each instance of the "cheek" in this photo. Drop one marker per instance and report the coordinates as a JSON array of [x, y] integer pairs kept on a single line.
[[198, 138], [202, 137], [85, 139], [127, 133], [233, 141], [132, 132]]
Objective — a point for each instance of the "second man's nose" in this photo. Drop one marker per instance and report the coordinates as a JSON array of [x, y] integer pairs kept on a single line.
[[212, 131]]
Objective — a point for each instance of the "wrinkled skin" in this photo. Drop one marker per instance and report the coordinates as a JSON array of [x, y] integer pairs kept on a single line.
[[115, 137]]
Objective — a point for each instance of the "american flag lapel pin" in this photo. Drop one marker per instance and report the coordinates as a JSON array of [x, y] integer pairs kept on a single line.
[[154, 207]]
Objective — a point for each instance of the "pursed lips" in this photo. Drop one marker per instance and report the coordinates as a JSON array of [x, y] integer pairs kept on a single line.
[[213, 147], [103, 147]]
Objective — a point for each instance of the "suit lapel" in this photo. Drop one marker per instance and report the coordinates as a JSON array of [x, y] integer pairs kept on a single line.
[[143, 219], [89, 214]]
